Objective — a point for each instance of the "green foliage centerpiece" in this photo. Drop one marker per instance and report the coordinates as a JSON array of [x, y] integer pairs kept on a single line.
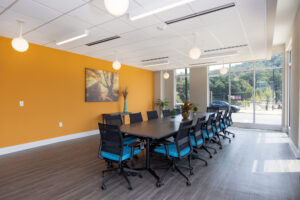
[[186, 108], [173, 113]]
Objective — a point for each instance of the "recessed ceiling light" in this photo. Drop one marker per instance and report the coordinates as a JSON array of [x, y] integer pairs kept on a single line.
[[161, 9], [85, 34]]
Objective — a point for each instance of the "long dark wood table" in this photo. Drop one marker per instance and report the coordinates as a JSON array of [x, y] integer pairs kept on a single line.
[[157, 129]]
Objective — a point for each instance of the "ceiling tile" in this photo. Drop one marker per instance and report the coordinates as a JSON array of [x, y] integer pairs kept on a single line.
[[116, 26], [61, 6], [91, 14], [35, 10], [63, 27], [6, 3]]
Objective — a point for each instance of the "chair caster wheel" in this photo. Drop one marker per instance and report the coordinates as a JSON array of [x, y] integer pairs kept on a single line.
[[140, 176], [158, 184], [188, 183], [206, 164], [229, 141], [215, 152], [220, 147], [129, 188], [191, 173], [103, 187], [233, 136], [210, 156]]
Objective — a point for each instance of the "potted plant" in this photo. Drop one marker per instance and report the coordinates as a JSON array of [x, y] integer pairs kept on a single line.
[[173, 113], [162, 104], [195, 109], [186, 108]]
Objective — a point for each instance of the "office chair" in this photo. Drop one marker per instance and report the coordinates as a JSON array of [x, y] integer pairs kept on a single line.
[[178, 111], [208, 133], [112, 149], [117, 120], [135, 118], [212, 109], [152, 115], [177, 150], [218, 127], [197, 139], [229, 123], [166, 113]]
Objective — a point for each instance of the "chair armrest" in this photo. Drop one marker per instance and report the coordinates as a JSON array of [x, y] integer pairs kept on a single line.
[[134, 144], [165, 142]]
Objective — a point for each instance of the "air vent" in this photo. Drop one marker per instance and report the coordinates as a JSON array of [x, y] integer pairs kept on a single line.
[[225, 48], [221, 54], [201, 64], [155, 59], [205, 12], [103, 40]]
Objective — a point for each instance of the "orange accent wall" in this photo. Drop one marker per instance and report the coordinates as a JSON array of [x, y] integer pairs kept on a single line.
[[52, 85]]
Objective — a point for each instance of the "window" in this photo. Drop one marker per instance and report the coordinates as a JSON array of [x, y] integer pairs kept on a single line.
[[253, 90], [182, 85], [218, 84]]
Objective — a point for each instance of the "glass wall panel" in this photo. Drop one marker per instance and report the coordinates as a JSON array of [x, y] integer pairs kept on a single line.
[[253, 90], [242, 96], [268, 99], [218, 85], [182, 85]]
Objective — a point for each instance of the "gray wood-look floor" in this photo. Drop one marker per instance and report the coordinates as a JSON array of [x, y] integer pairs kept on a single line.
[[71, 170]]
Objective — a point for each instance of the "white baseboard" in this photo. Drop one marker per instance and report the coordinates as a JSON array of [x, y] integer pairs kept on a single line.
[[22, 147], [294, 149]]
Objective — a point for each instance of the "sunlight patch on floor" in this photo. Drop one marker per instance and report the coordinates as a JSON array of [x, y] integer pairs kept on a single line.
[[254, 166], [281, 166]]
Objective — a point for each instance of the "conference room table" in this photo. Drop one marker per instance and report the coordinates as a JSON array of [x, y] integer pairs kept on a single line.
[[158, 129]]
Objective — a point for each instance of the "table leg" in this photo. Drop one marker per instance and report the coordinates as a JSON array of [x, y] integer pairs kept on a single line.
[[148, 167]]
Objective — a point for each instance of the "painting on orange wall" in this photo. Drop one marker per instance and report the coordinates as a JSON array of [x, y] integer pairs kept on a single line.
[[101, 85]]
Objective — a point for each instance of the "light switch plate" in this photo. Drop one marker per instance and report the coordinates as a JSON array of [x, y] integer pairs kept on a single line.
[[60, 124], [21, 103]]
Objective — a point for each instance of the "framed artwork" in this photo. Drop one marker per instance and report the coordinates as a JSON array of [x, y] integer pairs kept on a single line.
[[101, 85]]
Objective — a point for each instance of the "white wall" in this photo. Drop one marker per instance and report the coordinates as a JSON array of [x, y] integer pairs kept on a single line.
[[199, 87], [295, 82], [169, 89]]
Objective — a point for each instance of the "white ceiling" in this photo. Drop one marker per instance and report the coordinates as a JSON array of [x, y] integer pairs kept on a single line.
[[49, 21], [285, 13]]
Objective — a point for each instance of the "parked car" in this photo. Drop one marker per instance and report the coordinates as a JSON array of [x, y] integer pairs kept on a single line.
[[223, 105]]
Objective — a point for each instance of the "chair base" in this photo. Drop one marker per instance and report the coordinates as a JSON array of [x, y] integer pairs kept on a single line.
[[230, 133], [172, 167], [196, 156], [122, 170]]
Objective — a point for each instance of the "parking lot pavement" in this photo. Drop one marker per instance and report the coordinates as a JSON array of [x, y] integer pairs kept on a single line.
[[259, 118]]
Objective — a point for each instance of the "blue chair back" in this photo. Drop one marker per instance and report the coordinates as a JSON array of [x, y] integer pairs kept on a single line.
[[152, 115], [166, 113], [111, 140], [198, 134], [135, 117], [114, 120], [182, 139]]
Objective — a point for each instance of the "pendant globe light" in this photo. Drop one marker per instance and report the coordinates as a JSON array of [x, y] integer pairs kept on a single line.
[[19, 43], [195, 52], [166, 75], [116, 7], [116, 64], [223, 70]]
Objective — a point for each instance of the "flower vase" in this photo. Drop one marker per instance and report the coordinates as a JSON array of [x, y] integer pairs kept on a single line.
[[125, 105], [185, 115]]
